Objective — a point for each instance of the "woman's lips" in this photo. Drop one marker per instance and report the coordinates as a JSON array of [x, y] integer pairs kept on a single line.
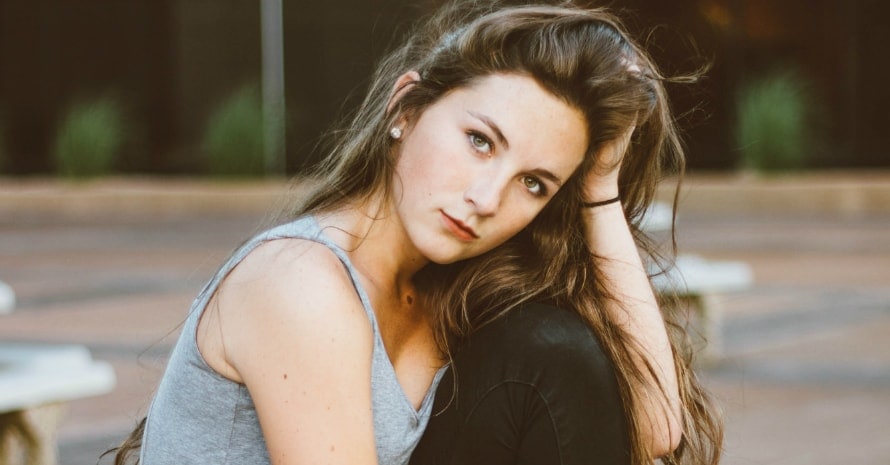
[[458, 228]]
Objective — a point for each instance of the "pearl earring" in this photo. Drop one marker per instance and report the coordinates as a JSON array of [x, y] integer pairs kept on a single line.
[[395, 133]]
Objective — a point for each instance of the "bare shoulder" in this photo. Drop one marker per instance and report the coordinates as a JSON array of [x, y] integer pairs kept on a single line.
[[284, 294], [298, 268]]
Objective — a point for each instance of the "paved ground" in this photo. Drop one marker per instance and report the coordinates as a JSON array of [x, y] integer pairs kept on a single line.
[[805, 379]]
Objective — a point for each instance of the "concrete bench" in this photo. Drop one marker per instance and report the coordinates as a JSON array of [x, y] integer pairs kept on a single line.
[[658, 217], [35, 382], [700, 284], [7, 298]]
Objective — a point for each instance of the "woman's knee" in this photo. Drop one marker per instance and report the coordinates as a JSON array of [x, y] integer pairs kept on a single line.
[[536, 343], [540, 367], [551, 349]]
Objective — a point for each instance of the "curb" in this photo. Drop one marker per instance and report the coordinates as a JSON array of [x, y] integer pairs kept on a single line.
[[849, 194], [841, 193], [136, 198]]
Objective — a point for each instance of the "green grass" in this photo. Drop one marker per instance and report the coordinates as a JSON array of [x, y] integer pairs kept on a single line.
[[233, 139], [774, 123], [89, 138]]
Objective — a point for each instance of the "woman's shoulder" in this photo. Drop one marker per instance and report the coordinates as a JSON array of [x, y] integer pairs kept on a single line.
[[292, 281], [295, 269], [290, 254]]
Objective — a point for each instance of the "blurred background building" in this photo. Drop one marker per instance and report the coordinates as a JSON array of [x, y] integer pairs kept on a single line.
[[170, 65]]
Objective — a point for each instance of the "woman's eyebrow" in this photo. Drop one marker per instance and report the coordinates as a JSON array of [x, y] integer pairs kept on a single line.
[[493, 126], [547, 175]]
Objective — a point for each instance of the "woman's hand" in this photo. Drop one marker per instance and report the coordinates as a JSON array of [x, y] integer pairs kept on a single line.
[[601, 181]]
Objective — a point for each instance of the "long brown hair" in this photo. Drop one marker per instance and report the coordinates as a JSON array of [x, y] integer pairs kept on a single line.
[[585, 57]]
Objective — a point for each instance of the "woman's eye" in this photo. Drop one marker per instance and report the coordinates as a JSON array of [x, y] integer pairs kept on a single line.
[[534, 185], [480, 142]]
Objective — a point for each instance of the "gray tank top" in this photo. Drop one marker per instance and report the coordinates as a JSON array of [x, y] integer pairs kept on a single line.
[[199, 417]]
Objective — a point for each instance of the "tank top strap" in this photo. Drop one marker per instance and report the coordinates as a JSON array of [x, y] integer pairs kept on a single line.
[[305, 227]]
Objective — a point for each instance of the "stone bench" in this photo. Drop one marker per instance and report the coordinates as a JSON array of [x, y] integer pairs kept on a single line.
[[7, 298], [35, 382], [700, 283]]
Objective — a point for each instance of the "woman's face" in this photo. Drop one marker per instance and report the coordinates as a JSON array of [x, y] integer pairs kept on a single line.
[[480, 163]]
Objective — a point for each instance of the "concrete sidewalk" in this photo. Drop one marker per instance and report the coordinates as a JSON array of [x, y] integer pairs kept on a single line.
[[806, 378]]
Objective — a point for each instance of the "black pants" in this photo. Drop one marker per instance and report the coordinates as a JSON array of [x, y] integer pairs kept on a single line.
[[532, 388]]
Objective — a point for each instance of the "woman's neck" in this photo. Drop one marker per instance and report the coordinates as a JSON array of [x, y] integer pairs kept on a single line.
[[372, 235], [375, 242]]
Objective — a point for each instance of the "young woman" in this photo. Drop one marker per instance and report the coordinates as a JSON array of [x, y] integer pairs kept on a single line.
[[472, 238]]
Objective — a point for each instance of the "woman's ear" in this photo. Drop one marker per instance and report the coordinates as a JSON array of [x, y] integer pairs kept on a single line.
[[404, 83]]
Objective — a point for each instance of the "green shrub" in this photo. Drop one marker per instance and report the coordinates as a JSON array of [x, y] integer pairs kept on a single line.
[[774, 123], [233, 140], [89, 138]]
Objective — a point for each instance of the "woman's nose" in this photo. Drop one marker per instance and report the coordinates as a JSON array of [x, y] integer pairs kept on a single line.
[[485, 193]]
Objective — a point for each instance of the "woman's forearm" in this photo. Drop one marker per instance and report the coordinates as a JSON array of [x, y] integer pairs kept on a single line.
[[635, 309]]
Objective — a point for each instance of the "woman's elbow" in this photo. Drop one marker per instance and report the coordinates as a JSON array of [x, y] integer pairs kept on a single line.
[[667, 439]]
